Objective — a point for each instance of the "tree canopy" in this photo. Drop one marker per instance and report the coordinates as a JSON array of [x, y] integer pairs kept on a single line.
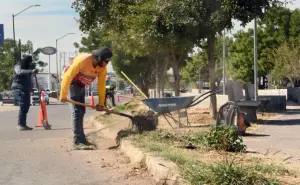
[[171, 27], [277, 26]]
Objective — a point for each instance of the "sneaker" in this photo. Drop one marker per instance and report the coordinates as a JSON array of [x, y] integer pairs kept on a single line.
[[90, 144], [81, 146], [24, 128]]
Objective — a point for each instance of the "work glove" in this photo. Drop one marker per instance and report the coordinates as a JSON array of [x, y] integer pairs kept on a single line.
[[101, 108]]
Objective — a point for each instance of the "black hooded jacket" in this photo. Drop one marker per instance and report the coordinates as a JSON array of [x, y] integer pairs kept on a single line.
[[22, 76]]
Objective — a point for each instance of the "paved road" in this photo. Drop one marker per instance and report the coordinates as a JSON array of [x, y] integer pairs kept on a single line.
[[46, 156], [280, 136]]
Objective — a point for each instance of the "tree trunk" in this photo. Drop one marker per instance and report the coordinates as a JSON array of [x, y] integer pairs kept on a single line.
[[212, 75], [157, 81], [162, 77], [176, 78], [162, 85], [145, 88]]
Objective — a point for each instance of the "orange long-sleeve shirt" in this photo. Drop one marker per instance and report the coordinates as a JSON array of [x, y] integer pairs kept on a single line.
[[82, 71]]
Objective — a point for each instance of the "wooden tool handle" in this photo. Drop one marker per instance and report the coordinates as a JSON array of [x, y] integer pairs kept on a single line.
[[82, 104], [36, 81]]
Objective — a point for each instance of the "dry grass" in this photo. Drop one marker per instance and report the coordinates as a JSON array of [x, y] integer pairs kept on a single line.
[[172, 148]]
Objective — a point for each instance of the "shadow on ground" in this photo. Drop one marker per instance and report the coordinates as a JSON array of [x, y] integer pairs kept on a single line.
[[255, 135], [286, 122]]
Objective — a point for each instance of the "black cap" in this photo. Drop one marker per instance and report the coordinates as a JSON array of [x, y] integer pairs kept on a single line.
[[104, 53], [26, 61], [27, 58]]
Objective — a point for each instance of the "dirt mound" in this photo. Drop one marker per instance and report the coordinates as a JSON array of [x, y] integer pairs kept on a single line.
[[136, 105], [145, 113]]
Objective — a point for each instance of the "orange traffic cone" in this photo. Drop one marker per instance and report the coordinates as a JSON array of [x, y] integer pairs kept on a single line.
[[43, 117], [92, 102]]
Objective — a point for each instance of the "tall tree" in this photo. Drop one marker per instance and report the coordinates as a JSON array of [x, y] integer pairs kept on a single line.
[[145, 30], [287, 63], [172, 26], [6, 64], [140, 69], [294, 25], [274, 29]]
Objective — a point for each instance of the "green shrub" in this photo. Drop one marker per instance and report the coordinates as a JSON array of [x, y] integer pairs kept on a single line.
[[224, 138]]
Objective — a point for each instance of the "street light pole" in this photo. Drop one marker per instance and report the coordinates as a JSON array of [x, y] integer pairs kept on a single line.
[[57, 55], [56, 61], [200, 84], [13, 17], [224, 62], [255, 60]]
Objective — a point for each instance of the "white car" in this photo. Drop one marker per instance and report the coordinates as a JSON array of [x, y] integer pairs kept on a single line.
[[35, 98], [48, 91], [35, 90]]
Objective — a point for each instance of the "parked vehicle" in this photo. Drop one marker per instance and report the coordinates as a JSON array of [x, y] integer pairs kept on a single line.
[[35, 90], [35, 98], [49, 92], [94, 93]]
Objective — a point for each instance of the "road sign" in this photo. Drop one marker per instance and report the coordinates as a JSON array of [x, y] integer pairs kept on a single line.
[[1, 34], [49, 50]]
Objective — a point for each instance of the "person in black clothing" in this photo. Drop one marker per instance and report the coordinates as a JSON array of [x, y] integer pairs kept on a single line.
[[22, 87], [110, 94]]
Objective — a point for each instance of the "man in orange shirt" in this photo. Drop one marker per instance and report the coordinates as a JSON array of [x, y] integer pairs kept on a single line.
[[82, 71]]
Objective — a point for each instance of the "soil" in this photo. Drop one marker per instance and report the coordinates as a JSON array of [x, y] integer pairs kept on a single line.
[[199, 119]]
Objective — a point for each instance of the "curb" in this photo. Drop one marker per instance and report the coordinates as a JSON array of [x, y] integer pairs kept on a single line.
[[164, 172]]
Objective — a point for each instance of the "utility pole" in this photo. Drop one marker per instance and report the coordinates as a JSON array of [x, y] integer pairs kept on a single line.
[[224, 62], [14, 35], [64, 59], [200, 85], [60, 71], [255, 59]]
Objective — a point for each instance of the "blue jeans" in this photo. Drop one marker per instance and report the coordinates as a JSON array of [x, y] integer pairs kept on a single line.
[[77, 93], [22, 98]]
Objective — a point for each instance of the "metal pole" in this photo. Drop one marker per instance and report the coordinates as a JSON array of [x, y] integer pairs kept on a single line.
[[13, 17], [64, 59], [56, 61], [60, 72], [15, 48], [255, 59], [20, 48], [49, 75], [200, 85], [224, 62]]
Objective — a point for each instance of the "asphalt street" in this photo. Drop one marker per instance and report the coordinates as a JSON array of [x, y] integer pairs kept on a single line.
[[47, 157]]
